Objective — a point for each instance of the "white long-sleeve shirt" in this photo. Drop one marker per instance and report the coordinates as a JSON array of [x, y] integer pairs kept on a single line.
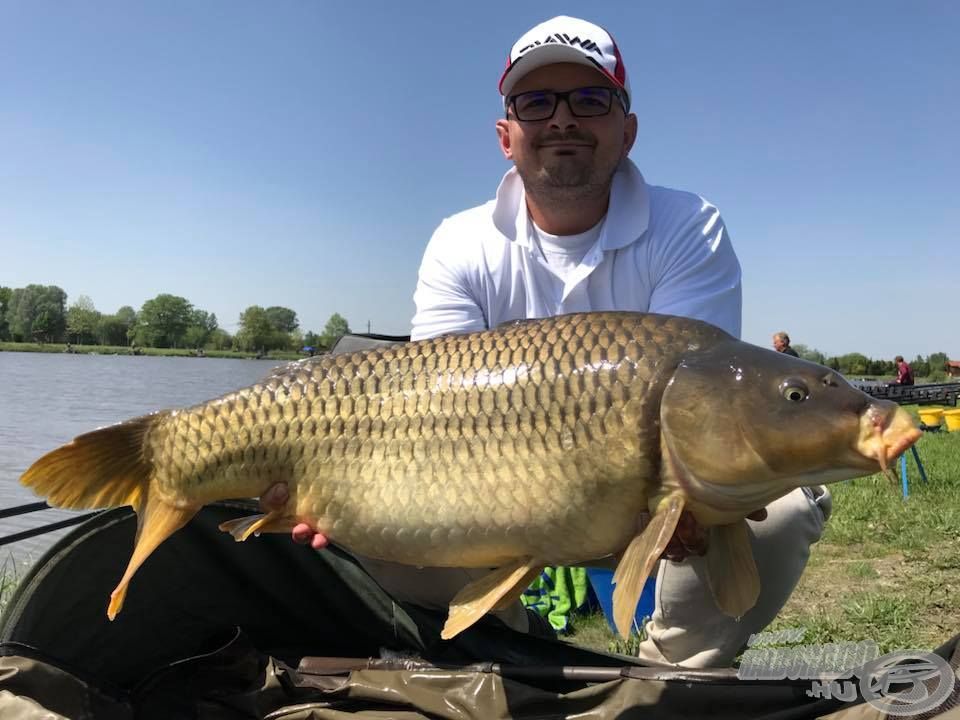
[[659, 250]]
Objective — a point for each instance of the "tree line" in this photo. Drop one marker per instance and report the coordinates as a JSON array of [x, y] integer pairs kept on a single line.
[[932, 367], [39, 313]]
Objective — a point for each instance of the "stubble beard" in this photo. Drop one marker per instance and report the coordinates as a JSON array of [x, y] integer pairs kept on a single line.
[[566, 180]]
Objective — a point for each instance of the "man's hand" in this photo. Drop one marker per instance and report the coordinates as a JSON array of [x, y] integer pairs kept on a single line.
[[275, 498], [690, 537]]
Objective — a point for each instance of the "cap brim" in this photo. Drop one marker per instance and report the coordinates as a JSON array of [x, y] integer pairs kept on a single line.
[[547, 55]]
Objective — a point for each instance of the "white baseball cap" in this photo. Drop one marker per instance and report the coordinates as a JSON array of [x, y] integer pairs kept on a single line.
[[565, 39]]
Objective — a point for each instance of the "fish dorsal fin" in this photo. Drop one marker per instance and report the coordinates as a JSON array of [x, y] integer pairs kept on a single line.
[[494, 590], [731, 570], [638, 560], [156, 521]]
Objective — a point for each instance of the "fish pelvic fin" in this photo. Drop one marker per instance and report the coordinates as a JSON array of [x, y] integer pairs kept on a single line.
[[731, 570], [638, 560], [100, 469], [274, 521], [494, 591], [156, 521]]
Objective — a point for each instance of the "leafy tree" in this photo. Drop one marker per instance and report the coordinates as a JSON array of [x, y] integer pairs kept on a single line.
[[282, 319], [37, 312], [335, 329], [83, 320], [112, 330], [202, 325], [920, 367], [854, 364], [811, 354], [219, 339], [256, 331], [163, 321], [5, 295]]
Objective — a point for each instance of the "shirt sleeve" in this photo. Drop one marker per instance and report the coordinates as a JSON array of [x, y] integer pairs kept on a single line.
[[445, 298], [696, 273]]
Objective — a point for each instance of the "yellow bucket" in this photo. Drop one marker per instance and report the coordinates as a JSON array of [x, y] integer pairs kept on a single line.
[[930, 415], [953, 419]]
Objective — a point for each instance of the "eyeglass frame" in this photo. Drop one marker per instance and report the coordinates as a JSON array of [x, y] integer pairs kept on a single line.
[[565, 97]]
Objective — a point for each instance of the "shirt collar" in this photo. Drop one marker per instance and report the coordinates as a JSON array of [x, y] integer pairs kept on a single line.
[[627, 217]]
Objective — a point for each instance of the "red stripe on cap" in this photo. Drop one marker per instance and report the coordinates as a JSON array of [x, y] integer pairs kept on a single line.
[[619, 71]]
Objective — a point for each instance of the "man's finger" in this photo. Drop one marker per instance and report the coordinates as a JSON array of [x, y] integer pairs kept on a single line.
[[303, 534]]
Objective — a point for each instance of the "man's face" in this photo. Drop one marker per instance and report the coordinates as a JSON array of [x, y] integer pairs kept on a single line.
[[778, 343], [566, 156]]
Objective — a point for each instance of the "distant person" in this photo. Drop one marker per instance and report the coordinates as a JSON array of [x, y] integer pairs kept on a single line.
[[904, 373], [781, 343]]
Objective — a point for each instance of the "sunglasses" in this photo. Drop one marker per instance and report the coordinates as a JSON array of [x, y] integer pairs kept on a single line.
[[583, 102]]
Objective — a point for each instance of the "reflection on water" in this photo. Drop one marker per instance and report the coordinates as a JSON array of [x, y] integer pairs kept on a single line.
[[46, 399]]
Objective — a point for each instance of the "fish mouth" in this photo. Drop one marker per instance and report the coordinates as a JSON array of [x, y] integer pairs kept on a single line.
[[886, 432]]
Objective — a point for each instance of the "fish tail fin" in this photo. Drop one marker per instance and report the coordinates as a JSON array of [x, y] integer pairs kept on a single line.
[[100, 469]]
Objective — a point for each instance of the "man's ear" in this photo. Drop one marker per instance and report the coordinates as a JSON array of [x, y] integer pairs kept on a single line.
[[503, 135], [629, 133]]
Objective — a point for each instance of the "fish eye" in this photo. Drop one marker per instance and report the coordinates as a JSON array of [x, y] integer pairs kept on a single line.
[[794, 390]]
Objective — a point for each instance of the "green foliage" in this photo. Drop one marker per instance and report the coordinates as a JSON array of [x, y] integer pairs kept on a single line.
[[811, 354], [202, 325], [219, 339], [272, 328], [335, 329], [282, 319], [83, 321], [5, 295], [163, 321], [37, 312]]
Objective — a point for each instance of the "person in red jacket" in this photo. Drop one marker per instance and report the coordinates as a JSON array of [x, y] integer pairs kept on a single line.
[[904, 373]]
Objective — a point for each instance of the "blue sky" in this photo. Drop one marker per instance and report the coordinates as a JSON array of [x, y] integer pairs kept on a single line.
[[301, 153]]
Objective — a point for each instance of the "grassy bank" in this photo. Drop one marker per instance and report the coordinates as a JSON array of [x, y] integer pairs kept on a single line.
[[122, 350], [886, 569]]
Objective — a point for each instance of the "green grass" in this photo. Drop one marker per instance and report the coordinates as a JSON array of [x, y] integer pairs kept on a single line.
[[158, 352]]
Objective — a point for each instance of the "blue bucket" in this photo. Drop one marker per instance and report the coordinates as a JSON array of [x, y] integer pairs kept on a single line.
[[601, 580]]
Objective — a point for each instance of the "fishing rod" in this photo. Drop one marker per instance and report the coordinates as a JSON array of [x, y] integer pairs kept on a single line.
[[40, 530]]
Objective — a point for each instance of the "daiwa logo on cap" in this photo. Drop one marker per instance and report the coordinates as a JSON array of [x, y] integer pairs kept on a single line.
[[586, 44], [565, 40]]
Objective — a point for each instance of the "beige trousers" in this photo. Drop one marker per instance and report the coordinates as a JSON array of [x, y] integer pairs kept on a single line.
[[687, 628]]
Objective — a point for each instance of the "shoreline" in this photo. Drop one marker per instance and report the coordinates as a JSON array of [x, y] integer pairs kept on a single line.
[[61, 348]]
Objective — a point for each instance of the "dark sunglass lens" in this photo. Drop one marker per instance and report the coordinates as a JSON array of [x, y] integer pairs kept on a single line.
[[591, 101], [534, 105]]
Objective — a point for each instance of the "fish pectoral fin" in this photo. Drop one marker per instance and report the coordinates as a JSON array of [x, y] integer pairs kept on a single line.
[[274, 521], [731, 570], [638, 560], [156, 521], [493, 591]]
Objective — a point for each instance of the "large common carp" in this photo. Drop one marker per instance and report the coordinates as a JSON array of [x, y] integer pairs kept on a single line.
[[541, 442]]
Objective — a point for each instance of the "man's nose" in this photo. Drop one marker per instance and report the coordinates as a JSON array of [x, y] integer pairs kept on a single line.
[[564, 118]]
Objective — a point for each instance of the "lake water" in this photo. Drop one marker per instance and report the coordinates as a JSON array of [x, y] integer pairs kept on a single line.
[[47, 399]]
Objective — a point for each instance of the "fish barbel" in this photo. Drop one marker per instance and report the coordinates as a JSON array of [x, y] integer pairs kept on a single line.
[[540, 442]]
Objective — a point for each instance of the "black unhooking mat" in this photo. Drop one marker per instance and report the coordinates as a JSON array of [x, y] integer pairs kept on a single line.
[[217, 629]]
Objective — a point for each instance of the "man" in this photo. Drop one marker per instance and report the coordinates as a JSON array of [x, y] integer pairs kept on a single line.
[[904, 373], [575, 227], [781, 343]]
